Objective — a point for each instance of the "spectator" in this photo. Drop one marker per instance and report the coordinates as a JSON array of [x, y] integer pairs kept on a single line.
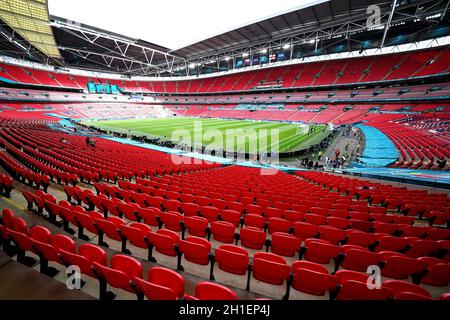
[[87, 141]]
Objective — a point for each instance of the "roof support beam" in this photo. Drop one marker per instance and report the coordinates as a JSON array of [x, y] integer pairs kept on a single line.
[[388, 24]]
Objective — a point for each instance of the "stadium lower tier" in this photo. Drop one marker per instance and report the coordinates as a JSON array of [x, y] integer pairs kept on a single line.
[[310, 235], [306, 236], [421, 137]]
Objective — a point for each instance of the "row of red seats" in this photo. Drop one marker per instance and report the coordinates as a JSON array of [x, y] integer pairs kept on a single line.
[[166, 241], [419, 147], [289, 221], [6, 185], [365, 69], [176, 202], [108, 158], [270, 218], [44, 151], [413, 203], [305, 276], [23, 174], [124, 272]]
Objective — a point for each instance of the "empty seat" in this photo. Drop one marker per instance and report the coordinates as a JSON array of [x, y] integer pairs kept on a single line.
[[339, 223], [231, 216], [391, 243], [315, 219], [84, 259], [270, 268], [312, 278], [285, 244], [189, 209], [304, 230], [119, 274], [232, 259], [254, 220], [165, 242], [279, 225], [355, 290], [161, 284], [196, 250], [252, 238], [213, 291], [421, 248], [223, 231], [401, 267], [209, 213], [196, 226], [438, 272], [136, 233], [399, 288], [150, 216], [172, 220], [332, 234], [320, 251], [360, 238], [273, 213], [108, 227], [359, 260], [293, 215]]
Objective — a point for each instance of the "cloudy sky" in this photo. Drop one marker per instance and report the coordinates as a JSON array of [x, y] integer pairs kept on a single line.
[[171, 23]]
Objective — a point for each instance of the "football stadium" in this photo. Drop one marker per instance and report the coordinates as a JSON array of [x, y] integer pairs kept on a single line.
[[302, 154]]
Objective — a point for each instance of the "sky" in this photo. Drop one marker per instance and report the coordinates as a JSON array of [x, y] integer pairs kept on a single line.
[[170, 23]]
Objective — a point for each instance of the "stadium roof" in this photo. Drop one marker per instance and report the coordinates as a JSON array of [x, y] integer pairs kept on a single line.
[[303, 19], [321, 28], [30, 19]]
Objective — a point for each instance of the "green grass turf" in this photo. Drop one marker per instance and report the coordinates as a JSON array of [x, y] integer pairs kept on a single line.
[[290, 138]]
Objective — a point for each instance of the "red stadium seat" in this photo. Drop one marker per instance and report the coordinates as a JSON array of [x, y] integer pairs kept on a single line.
[[252, 238], [438, 272], [172, 220], [136, 233], [254, 220], [195, 226], [270, 268], [213, 291], [399, 288], [190, 209], [355, 290], [119, 275], [285, 244], [320, 251], [195, 250], [209, 213], [223, 231], [304, 230], [231, 216], [165, 242], [84, 259], [232, 259], [401, 267], [312, 278], [359, 260], [279, 225]]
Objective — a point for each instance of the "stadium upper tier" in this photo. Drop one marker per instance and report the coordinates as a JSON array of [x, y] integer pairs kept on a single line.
[[404, 93], [390, 67]]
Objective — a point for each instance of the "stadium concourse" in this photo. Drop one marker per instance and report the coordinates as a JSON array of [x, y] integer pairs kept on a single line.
[[124, 183]]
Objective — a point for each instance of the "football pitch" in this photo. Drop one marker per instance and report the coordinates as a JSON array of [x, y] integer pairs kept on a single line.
[[222, 134]]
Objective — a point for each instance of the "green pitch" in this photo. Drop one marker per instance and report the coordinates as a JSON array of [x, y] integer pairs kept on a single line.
[[221, 133]]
